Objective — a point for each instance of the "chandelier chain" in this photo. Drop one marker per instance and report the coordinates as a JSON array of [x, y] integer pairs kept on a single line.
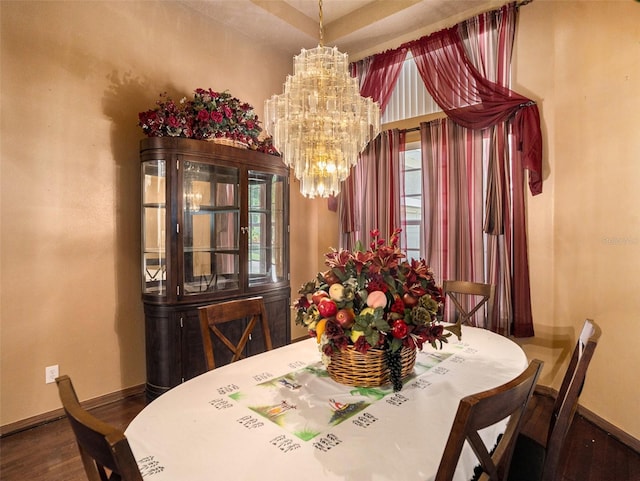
[[321, 27]]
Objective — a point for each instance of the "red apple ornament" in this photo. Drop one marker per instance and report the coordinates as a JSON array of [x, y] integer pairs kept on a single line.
[[327, 307], [399, 329], [317, 296], [345, 317]]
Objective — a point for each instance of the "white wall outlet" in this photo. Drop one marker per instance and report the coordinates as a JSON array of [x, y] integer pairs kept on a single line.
[[51, 373]]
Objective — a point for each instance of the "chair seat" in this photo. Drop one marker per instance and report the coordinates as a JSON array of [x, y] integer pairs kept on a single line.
[[528, 460]]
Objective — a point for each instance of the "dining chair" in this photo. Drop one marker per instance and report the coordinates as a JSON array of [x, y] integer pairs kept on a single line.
[[104, 449], [478, 411], [534, 461], [463, 293], [238, 311]]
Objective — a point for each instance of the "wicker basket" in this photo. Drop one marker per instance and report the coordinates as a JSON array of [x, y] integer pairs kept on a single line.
[[353, 368]]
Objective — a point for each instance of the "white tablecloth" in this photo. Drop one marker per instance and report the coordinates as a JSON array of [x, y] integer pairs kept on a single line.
[[276, 416]]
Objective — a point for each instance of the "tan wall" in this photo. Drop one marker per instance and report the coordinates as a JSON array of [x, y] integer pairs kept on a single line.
[[74, 76], [314, 230], [581, 61]]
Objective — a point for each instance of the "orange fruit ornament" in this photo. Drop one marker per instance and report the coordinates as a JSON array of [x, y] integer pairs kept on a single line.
[[320, 327]]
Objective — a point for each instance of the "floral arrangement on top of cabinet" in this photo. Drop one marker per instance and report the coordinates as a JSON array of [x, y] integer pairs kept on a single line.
[[208, 115]]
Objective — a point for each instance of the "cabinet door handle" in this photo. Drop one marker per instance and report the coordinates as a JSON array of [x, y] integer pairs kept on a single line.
[[244, 230]]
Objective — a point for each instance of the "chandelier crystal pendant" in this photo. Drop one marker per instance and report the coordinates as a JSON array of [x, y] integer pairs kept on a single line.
[[320, 123]]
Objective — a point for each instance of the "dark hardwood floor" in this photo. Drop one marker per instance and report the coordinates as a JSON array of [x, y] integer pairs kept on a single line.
[[49, 452], [590, 454]]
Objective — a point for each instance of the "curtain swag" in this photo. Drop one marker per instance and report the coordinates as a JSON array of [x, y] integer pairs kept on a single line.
[[465, 95]]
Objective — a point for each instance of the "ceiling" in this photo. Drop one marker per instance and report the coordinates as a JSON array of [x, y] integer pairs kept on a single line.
[[357, 27]]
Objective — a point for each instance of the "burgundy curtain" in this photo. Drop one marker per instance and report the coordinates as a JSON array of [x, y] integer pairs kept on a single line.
[[453, 195], [466, 69], [370, 197], [450, 63], [379, 75], [474, 101]]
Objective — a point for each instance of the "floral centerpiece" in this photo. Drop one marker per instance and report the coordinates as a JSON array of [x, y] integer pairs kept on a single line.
[[208, 115], [373, 299]]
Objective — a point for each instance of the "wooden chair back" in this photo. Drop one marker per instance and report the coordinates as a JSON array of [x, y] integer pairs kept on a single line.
[[249, 310], [462, 293], [104, 450], [484, 409], [566, 402]]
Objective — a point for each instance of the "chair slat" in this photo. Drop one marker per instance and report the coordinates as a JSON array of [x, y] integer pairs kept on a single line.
[[461, 292], [238, 311]]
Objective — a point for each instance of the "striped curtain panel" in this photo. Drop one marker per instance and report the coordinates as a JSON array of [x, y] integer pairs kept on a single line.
[[474, 225], [370, 197], [474, 175], [453, 197], [456, 164]]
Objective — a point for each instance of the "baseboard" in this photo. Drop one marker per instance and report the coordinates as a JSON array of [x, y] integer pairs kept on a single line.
[[301, 338], [50, 416], [614, 431], [602, 424]]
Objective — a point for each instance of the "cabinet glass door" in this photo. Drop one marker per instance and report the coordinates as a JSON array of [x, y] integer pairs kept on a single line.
[[154, 214], [210, 230], [266, 229]]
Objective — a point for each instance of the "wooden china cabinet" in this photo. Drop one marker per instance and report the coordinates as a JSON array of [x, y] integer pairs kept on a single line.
[[215, 226]]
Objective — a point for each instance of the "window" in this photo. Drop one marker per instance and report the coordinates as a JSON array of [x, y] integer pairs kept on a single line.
[[412, 200], [410, 99]]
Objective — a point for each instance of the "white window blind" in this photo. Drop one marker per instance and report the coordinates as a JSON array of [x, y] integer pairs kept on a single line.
[[410, 97]]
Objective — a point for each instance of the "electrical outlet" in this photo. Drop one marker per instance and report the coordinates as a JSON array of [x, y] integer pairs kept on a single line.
[[51, 373]]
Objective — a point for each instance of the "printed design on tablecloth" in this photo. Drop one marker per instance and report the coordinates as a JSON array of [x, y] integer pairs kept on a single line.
[[307, 402], [149, 466]]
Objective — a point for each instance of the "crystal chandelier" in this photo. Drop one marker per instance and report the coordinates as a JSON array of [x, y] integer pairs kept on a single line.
[[320, 123]]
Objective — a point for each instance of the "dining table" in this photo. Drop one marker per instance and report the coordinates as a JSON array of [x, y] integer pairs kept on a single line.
[[279, 416]]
